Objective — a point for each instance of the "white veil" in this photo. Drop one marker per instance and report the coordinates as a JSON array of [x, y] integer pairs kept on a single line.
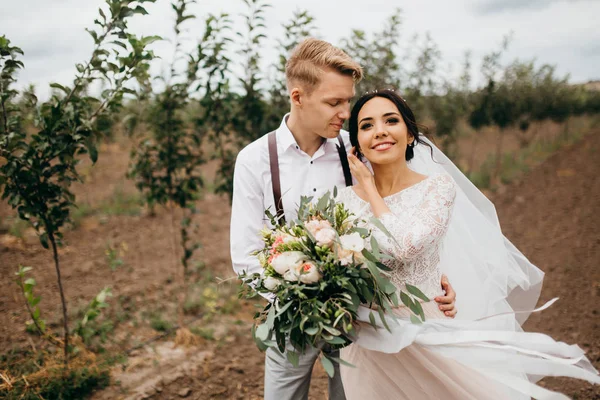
[[489, 274]]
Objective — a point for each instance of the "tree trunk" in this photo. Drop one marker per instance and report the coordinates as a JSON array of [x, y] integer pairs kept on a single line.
[[179, 273], [62, 297]]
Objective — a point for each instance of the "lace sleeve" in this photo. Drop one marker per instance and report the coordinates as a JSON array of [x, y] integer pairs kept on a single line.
[[424, 225]]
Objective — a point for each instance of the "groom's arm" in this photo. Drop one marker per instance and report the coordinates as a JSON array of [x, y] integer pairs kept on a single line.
[[447, 303], [246, 214]]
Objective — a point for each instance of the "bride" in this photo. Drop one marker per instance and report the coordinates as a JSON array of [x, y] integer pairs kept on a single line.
[[438, 222]]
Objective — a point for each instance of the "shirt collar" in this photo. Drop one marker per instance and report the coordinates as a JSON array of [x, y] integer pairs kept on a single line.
[[286, 139]]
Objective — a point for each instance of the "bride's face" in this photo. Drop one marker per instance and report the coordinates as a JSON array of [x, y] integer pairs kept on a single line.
[[382, 133]]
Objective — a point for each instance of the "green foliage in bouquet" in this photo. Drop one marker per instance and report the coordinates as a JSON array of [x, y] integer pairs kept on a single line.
[[319, 269]]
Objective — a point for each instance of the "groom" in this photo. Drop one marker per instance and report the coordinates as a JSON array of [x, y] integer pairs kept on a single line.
[[306, 156]]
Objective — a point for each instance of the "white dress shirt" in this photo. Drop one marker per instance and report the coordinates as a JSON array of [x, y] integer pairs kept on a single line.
[[300, 175]]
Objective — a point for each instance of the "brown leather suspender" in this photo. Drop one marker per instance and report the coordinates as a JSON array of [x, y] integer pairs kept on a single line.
[[275, 176], [274, 162], [344, 160]]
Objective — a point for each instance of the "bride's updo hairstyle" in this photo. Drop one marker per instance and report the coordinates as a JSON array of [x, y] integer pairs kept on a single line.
[[407, 115]]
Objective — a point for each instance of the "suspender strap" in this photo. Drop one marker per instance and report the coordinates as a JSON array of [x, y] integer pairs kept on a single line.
[[344, 160], [276, 183]]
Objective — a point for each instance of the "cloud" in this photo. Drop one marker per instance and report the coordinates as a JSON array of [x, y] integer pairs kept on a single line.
[[501, 6]]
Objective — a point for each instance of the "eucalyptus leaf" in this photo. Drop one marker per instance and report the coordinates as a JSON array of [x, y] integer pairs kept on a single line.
[[417, 292], [327, 366]]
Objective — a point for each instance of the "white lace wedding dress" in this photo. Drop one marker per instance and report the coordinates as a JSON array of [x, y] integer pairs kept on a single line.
[[443, 358]]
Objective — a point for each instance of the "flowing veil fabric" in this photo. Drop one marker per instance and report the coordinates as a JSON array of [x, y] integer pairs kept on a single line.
[[489, 274]]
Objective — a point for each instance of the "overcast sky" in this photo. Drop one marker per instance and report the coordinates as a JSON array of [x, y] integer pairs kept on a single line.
[[564, 33]]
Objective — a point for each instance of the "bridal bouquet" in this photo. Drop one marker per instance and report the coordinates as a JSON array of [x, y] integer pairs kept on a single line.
[[319, 269]]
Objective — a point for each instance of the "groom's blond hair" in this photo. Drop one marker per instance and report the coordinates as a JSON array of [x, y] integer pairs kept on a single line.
[[311, 57]]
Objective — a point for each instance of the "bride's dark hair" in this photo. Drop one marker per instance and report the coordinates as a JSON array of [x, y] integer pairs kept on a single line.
[[407, 115]]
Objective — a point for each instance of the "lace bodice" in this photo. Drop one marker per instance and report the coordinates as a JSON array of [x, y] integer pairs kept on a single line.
[[418, 222]]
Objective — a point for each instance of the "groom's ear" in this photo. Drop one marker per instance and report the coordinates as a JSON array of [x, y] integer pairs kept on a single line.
[[296, 95]]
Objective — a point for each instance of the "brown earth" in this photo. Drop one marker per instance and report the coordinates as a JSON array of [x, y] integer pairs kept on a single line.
[[550, 215]]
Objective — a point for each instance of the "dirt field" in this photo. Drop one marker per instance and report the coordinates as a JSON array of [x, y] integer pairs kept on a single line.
[[551, 215]]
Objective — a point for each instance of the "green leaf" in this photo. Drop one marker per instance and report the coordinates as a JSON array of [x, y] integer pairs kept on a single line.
[[415, 320], [323, 201], [374, 245], [271, 318], [44, 240], [389, 287], [375, 221], [313, 330], [259, 343], [416, 292], [332, 330], [327, 366], [293, 357], [383, 319], [336, 341], [342, 361], [283, 309], [60, 87], [419, 310], [23, 270], [30, 281], [406, 300], [262, 332], [372, 320]]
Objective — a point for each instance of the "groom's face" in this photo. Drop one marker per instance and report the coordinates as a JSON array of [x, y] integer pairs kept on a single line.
[[324, 110]]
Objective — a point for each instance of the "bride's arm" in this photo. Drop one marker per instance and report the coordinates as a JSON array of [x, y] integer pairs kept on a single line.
[[413, 233]]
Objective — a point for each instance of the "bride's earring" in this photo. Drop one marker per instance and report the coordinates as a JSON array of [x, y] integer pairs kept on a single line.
[[410, 153]]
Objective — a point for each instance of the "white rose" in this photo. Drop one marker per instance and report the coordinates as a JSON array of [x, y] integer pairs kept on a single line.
[[325, 237], [271, 283], [313, 226], [352, 242], [309, 273], [291, 275], [324, 224], [345, 256], [286, 260]]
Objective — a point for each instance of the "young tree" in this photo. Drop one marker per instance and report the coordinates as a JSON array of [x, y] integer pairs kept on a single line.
[[248, 118], [166, 166], [38, 169], [378, 56]]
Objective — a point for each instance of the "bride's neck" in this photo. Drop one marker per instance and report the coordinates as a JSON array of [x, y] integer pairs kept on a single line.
[[391, 178]]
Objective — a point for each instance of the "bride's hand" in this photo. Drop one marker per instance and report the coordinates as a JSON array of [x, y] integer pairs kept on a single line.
[[360, 171]]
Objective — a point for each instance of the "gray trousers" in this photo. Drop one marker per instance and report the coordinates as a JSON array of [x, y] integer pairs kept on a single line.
[[283, 381]]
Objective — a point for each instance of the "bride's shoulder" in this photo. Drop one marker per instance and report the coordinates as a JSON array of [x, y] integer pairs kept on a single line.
[[442, 182]]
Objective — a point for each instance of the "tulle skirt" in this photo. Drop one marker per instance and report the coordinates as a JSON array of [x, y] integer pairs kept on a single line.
[[453, 359]]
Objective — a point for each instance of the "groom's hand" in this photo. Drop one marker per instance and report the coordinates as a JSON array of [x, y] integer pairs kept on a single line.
[[446, 303]]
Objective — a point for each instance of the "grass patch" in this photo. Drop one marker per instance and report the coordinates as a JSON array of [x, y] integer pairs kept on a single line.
[[120, 203], [18, 227], [159, 323], [516, 164], [41, 375], [205, 333]]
